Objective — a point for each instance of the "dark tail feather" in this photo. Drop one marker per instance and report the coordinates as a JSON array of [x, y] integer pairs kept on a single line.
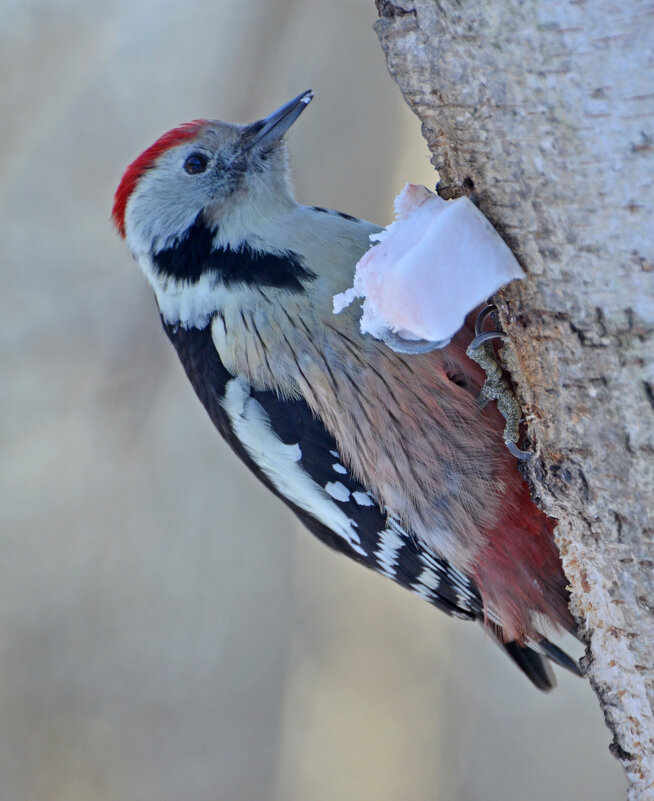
[[559, 657], [531, 663]]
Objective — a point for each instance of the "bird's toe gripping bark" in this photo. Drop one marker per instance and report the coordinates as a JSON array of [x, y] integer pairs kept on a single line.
[[495, 387]]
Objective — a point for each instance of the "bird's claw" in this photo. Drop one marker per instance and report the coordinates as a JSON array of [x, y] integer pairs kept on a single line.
[[487, 336], [495, 387], [489, 308], [514, 450]]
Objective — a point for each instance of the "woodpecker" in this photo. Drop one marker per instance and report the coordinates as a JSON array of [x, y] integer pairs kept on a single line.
[[386, 457]]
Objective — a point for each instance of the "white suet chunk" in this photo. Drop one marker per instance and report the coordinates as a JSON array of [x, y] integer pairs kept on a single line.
[[437, 261]]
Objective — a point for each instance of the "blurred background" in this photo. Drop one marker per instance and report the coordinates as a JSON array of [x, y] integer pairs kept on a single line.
[[167, 630]]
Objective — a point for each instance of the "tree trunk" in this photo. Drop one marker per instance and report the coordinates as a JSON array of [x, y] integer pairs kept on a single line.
[[546, 111]]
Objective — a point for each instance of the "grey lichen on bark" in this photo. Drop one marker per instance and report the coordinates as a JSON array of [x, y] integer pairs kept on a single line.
[[545, 110]]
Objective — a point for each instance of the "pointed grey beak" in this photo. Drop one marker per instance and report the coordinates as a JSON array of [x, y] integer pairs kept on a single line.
[[275, 125]]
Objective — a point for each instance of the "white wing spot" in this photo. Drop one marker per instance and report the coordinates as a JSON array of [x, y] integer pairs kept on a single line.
[[338, 491], [363, 499], [429, 579], [459, 581], [338, 468], [422, 592], [390, 544]]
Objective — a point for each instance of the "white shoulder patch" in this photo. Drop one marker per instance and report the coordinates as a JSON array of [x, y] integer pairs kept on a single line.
[[280, 462]]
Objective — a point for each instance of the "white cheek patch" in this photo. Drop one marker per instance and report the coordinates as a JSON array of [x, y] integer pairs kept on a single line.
[[281, 462]]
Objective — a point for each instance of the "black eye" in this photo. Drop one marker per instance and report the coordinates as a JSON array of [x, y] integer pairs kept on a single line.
[[196, 163]]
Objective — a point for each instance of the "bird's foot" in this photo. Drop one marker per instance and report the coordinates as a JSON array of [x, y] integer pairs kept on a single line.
[[495, 387]]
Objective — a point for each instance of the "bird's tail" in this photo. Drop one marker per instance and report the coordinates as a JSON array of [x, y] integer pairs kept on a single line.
[[533, 660]]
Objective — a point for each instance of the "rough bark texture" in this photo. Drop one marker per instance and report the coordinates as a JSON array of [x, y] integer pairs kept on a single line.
[[546, 111]]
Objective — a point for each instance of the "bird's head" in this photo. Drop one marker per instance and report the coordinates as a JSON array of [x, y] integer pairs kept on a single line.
[[226, 175]]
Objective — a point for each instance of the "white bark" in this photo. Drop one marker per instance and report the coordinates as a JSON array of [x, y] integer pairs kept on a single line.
[[546, 111]]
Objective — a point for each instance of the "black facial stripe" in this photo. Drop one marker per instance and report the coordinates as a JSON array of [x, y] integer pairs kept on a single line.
[[193, 255]]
